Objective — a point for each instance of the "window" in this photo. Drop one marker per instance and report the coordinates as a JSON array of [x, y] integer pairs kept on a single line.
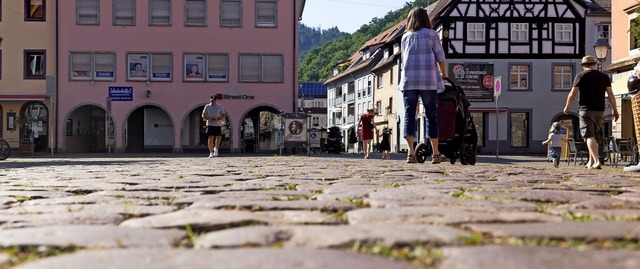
[[519, 77], [161, 66], [195, 13], [231, 13], [88, 12], [89, 66], [209, 67], [391, 76], [150, 66], [124, 12], [604, 30], [520, 32], [35, 63], [380, 81], [632, 38], [478, 120], [519, 129], [564, 32], [562, 76], [475, 32], [378, 108], [266, 13], [34, 10], [261, 68], [160, 12], [369, 85]]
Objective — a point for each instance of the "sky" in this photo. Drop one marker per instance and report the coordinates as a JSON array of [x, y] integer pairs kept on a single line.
[[347, 15]]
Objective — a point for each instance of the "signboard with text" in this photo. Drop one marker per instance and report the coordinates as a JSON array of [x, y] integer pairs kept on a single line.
[[121, 93], [475, 78]]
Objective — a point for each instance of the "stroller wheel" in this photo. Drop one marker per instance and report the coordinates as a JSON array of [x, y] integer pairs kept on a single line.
[[422, 152], [467, 155]]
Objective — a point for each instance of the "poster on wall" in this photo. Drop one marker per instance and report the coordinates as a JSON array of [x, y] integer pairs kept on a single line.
[[138, 65], [475, 78], [193, 67]]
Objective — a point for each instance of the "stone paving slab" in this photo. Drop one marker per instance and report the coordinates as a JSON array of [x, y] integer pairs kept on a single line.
[[442, 215], [228, 259], [330, 236], [620, 230], [510, 257], [89, 236]]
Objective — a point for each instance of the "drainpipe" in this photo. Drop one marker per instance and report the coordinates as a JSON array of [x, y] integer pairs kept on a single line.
[[295, 56], [57, 101]]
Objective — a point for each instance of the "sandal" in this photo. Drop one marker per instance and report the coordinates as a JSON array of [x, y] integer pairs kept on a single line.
[[411, 159], [438, 159]]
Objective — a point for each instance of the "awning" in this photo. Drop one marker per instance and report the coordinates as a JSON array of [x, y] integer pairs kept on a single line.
[[344, 127], [23, 97], [487, 110]]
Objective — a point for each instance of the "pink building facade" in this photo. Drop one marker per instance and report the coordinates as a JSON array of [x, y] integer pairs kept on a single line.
[[134, 76]]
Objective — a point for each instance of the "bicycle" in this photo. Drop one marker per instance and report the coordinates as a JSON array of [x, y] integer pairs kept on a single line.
[[5, 149]]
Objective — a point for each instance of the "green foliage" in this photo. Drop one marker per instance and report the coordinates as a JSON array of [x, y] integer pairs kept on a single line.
[[317, 63]]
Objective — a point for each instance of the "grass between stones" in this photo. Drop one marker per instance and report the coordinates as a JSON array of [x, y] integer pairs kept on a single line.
[[476, 239], [420, 255], [19, 255]]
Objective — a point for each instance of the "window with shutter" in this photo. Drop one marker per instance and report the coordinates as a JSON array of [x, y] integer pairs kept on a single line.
[[34, 10], [250, 68], [231, 13], [217, 67], [161, 66], [124, 12], [195, 13], [88, 12], [272, 68], [80, 66], [35, 63], [266, 13], [160, 12], [104, 66]]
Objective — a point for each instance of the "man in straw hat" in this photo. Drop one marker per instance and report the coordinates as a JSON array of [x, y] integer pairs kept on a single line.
[[592, 86]]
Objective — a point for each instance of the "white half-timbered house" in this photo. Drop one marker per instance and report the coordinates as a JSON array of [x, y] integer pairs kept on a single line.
[[534, 48]]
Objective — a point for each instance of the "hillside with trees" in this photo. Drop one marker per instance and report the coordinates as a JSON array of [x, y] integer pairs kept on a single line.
[[317, 64], [315, 37]]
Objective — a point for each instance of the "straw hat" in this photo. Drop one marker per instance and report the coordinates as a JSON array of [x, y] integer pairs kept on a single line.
[[589, 59]]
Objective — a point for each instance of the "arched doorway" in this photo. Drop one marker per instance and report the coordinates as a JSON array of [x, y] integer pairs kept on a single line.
[[85, 130], [193, 134], [34, 125], [149, 129], [261, 130], [571, 122]]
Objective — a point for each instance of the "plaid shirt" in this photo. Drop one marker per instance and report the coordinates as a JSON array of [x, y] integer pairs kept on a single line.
[[421, 52]]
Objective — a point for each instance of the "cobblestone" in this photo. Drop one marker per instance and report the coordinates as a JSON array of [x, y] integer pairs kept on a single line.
[[323, 211]]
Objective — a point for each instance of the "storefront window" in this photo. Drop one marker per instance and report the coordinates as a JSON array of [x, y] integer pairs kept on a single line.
[[478, 120], [519, 129]]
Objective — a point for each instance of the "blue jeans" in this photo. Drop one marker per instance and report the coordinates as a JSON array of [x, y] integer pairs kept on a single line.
[[430, 103], [554, 152]]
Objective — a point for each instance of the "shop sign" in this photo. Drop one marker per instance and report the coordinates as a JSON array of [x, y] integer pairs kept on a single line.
[[121, 93]]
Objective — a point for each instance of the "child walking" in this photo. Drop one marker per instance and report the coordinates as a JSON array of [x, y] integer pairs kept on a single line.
[[555, 137]]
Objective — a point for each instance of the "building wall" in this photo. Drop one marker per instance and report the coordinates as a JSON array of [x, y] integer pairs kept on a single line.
[[178, 97], [20, 35]]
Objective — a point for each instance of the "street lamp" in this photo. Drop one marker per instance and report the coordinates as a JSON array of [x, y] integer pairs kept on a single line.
[[602, 48]]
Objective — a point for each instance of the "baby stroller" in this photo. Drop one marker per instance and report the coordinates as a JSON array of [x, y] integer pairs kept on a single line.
[[458, 136]]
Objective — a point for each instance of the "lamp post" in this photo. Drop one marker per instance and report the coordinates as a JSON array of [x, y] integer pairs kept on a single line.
[[601, 48]]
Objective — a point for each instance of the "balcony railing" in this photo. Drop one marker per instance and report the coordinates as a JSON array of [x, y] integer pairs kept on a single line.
[[351, 119], [351, 97]]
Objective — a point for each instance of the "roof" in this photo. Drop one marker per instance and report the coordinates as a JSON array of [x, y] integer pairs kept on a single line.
[[312, 89], [356, 59], [599, 6]]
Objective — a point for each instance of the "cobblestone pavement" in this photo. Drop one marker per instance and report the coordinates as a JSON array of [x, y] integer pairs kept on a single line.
[[326, 211]]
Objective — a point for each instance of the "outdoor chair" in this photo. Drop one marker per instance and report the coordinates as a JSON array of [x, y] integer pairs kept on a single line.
[[574, 152]]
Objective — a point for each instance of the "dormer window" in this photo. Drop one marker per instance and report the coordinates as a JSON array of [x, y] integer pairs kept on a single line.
[[386, 53], [366, 55]]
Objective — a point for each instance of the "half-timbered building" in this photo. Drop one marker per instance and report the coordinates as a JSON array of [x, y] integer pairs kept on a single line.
[[532, 48]]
